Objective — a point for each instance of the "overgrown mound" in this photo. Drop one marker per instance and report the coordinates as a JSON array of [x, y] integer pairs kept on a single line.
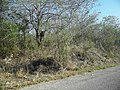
[[82, 55], [87, 55], [45, 65]]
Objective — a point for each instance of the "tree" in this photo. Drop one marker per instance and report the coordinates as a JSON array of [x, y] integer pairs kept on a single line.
[[85, 30], [49, 14], [7, 32], [109, 32], [3, 7]]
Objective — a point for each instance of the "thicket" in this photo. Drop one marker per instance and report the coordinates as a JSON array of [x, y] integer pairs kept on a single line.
[[71, 33]]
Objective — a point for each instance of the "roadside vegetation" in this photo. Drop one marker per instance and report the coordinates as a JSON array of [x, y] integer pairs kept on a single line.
[[42, 40]]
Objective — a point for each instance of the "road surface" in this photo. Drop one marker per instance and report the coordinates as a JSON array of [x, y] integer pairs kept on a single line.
[[108, 79]]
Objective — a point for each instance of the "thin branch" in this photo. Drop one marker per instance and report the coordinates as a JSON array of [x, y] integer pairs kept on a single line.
[[26, 7]]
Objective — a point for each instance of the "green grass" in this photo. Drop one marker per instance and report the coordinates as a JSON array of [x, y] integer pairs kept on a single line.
[[1, 87]]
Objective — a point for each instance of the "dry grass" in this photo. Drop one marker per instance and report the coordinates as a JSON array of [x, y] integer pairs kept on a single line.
[[10, 82]]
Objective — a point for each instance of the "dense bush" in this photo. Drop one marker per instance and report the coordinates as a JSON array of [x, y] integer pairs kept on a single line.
[[8, 38], [29, 35]]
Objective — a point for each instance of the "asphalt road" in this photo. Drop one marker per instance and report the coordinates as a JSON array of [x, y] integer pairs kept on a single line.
[[108, 79]]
